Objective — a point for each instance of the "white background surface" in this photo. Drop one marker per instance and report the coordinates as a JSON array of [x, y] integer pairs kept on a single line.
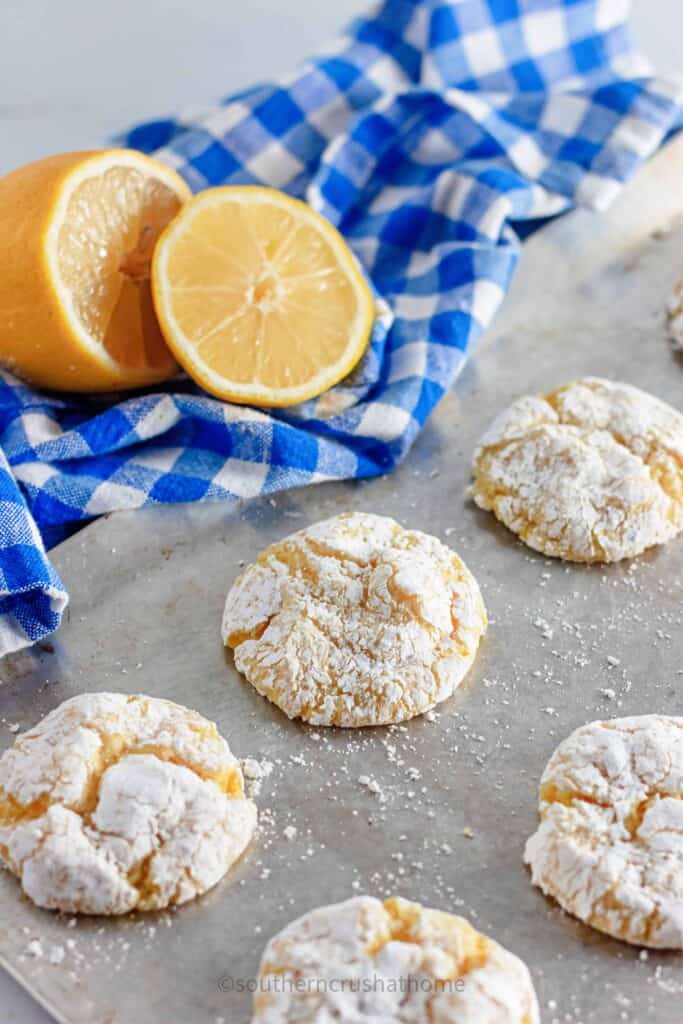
[[73, 72]]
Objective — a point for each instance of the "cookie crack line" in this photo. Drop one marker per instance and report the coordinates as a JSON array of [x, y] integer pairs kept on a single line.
[[355, 621], [112, 754]]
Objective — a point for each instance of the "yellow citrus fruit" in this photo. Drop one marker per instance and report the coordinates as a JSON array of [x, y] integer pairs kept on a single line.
[[77, 232], [259, 296]]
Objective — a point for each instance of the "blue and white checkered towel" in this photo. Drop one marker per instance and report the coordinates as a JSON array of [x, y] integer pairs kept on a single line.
[[423, 132]]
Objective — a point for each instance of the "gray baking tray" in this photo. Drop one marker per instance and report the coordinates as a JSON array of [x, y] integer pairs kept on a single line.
[[386, 810]]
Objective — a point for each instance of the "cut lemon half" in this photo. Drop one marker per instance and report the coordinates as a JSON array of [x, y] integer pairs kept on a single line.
[[77, 232], [259, 297]]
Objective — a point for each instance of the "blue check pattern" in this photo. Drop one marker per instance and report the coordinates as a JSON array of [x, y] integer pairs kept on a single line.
[[428, 133]]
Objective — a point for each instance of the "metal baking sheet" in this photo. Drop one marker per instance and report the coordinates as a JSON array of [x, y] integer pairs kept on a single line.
[[147, 591]]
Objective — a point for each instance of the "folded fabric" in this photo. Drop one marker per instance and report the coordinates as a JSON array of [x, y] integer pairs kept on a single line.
[[423, 132]]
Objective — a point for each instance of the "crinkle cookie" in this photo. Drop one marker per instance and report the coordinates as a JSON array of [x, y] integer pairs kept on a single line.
[[355, 621], [592, 472], [115, 803], [389, 963], [610, 844]]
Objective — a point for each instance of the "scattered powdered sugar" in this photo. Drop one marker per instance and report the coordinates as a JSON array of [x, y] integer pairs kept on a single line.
[[667, 982], [35, 948], [675, 316], [254, 773], [372, 785], [254, 769]]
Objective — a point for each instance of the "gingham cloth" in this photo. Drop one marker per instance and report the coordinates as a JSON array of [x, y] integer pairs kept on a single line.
[[423, 132]]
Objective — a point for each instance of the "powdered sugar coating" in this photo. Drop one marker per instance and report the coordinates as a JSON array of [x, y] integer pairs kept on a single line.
[[610, 844], [400, 964], [114, 803], [592, 472], [355, 621]]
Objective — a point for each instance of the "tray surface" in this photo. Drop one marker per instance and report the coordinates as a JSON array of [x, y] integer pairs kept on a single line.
[[147, 592]]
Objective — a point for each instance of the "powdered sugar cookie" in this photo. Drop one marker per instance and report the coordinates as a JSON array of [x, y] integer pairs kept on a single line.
[[114, 803], [592, 472], [610, 844], [390, 963], [675, 316], [355, 621]]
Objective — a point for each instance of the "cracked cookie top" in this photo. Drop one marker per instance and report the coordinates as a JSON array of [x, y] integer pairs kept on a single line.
[[609, 847], [592, 472], [114, 803], [390, 963], [355, 621]]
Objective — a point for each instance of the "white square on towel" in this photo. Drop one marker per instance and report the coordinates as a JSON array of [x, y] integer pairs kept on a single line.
[[483, 52], [544, 31]]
